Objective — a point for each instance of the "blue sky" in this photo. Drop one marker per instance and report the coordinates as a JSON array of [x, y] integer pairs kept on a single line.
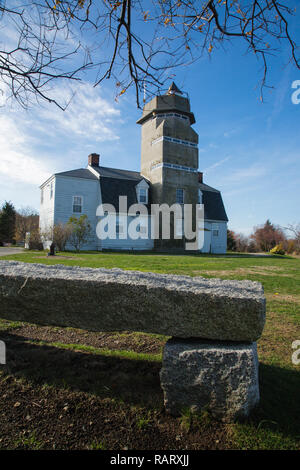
[[247, 149]]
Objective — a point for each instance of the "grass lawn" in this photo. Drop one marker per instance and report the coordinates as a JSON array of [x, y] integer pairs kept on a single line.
[[58, 380]]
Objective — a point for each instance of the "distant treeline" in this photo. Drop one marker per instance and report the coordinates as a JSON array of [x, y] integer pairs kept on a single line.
[[266, 238], [14, 224]]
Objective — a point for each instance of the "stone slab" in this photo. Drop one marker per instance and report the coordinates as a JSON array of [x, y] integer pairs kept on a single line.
[[117, 300], [221, 378]]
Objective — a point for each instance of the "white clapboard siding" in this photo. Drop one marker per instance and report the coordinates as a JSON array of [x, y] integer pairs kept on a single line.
[[89, 190], [59, 208]]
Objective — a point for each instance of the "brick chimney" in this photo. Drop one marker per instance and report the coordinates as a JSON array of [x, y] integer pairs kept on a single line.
[[200, 177], [93, 159]]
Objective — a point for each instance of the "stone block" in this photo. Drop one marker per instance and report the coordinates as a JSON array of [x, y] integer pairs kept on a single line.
[[116, 300], [221, 378]]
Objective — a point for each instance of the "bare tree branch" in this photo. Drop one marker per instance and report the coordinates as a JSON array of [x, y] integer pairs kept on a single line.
[[137, 43]]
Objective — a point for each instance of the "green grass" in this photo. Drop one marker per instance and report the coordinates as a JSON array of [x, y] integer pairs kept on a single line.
[[192, 265], [276, 423], [122, 354], [5, 324], [143, 421], [29, 442], [95, 445]]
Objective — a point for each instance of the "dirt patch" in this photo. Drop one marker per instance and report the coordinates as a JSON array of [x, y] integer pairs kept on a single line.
[[256, 270], [213, 273], [282, 297], [52, 398]]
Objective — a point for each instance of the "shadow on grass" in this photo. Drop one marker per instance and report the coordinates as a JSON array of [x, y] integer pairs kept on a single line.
[[137, 382], [182, 253], [134, 381], [275, 423], [280, 398]]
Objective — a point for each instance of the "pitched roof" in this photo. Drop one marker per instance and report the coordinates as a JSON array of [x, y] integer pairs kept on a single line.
[[112, 188], [173, 88], [104, 172], [117, 173], [116, 182], [213, 203], [79, 173]]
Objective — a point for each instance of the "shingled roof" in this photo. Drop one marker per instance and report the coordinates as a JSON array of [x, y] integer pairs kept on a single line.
[[103, 172], [112, 188], [79, 173], [213, 203], [117, 173], [116, 182]]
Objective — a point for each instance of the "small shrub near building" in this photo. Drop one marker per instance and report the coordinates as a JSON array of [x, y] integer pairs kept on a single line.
[[80, 230], [35, 241]]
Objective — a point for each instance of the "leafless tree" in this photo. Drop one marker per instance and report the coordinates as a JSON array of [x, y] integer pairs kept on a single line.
[[36, 48], [27, 220], [295, 229], [267, 236], [136, 43], [59, 234], [242, 242]]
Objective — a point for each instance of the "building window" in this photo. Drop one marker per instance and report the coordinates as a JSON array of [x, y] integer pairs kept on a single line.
[[77, 204], [179, 196], [215, 230], [51, 190], [42, 196], [143, 195]]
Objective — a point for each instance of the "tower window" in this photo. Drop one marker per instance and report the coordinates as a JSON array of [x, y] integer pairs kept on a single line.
[[51, 190], [143, 195], [77, 204], [179, 196]]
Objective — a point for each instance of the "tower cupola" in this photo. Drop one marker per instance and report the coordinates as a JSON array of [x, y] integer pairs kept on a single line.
[[174, 90]]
